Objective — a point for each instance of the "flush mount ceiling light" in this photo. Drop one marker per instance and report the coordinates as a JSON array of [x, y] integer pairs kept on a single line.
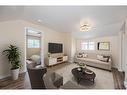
[[85, 27]]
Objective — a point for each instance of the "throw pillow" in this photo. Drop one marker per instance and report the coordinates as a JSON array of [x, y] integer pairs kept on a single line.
[[84, 55], [102, 58], [80, 53], [38, 66], [36, 58], [79, 56], [108, 57], [99, 57], [28, 62]]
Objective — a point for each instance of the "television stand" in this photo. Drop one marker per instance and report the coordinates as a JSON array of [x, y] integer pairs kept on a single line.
[[56, 60]]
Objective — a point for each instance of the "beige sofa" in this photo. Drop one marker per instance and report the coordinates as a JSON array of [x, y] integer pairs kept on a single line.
[[92, 60]]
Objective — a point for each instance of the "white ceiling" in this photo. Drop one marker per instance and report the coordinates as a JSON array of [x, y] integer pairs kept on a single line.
[[105, 20]]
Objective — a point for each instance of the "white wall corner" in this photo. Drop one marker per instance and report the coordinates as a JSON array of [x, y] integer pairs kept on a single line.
[[114, 66], [70, 61], [125, 84]]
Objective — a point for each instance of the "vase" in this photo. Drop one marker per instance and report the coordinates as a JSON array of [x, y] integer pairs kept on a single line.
[[15, 74]]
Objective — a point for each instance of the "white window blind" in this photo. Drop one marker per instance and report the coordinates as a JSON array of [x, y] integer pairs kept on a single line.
[[87, 46], [33, 43]]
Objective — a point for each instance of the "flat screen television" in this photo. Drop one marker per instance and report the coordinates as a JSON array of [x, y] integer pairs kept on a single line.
[[55, 48]]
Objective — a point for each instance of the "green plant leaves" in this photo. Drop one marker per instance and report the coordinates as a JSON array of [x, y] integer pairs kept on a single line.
[[13, 55]]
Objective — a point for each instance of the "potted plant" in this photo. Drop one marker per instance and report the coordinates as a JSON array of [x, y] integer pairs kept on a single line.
[[81, 66], [13, 56]]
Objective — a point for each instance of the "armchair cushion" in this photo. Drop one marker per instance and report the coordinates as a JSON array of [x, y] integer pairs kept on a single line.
[[36, 58]]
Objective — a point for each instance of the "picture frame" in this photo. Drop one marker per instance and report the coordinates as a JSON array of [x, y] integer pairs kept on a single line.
[[103, 46]]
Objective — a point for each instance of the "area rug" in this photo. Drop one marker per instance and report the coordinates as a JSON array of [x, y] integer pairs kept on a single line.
[[103, 79]]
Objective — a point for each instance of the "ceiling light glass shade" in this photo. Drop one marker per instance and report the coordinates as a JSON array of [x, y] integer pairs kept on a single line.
[[85, 27]]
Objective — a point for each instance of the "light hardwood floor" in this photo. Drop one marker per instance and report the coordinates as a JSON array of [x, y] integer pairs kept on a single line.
[[118, 79], [24, 83]]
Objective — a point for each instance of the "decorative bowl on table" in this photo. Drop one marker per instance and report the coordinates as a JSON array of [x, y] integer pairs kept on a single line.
[[79, 69], [88, 72]]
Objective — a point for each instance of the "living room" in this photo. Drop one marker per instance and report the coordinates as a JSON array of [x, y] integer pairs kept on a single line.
[[68, 43]]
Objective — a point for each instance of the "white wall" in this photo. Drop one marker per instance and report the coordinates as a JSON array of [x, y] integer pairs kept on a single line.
[[48, 34], [13, 32], [113, 47], [55, 37], [125, 54], [121, 46], [70, 46]]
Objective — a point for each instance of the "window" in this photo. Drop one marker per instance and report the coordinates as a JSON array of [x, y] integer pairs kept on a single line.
[[87, 46], [33, 43]]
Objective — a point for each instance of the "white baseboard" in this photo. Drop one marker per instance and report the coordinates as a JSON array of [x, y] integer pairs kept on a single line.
[[125, 84], [120, 70], [114, 66], [69, 61], [4, 76]]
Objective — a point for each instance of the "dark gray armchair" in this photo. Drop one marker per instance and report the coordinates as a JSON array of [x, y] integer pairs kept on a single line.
[[36, 76]]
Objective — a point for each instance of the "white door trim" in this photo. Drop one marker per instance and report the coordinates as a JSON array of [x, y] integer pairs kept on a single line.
[[42, 44]]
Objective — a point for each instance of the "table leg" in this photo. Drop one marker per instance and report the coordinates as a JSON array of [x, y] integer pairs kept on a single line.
[[78, 80], [93, 80]]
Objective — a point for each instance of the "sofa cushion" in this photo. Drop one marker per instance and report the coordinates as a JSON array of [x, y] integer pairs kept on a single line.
[[100, 62], [103, 58], [93, 60]]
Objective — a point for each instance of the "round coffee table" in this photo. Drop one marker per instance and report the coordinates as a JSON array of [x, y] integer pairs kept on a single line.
[[83, 74]]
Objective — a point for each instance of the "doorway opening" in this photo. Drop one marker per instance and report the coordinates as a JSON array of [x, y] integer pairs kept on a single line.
[[34, 46]]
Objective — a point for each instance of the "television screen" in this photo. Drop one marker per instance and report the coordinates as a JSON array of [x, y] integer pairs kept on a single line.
[[55, 48]]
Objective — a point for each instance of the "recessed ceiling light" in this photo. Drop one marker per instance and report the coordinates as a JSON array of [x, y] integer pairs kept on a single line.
[[39, 20]]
